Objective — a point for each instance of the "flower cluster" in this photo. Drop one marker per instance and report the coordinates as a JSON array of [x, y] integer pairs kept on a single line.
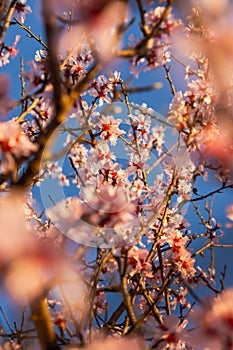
[[109, 129], [158, 29], [102, 89], [217, 334], [192, 112], [103, 216], [37, 75], [14, 146], [74, 67], [119, 236]]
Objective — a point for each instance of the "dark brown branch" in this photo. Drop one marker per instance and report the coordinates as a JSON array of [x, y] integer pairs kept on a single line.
[[210, 193]]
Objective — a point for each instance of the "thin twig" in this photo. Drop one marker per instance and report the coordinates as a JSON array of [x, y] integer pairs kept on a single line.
[[31, 34]]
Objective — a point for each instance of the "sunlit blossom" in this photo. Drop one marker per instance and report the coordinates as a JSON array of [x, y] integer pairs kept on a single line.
[[214, 334], [109, 128], [171, 334], [22, 10], [13, 145], [9, 51]]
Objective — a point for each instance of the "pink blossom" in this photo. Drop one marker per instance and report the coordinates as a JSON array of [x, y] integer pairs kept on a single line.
[[157, 52], [53, 234], [101, 157], [10, 51], [22, 10], [75, 66], [115, 77], [109, 128], [51, 170], [33, 270], [113, 175], [111, 343], [41, 55], [102, 215], [215, 322], [13, 233], [24, 260], [158, 133], [171, 334], [137, 163], [36, 75], [10, 345], [214, 7], [201, 94], [100, 301], [102, 22], [102, 89], [178, 111], [79, 154], [174, 238], [167, 25], [184, 262], [112, 205], [31, 129], [63, 181], [13, 144], [43, 111], [138, 187], [141, 122], [138, 261], [156, 57], [180, 299]]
